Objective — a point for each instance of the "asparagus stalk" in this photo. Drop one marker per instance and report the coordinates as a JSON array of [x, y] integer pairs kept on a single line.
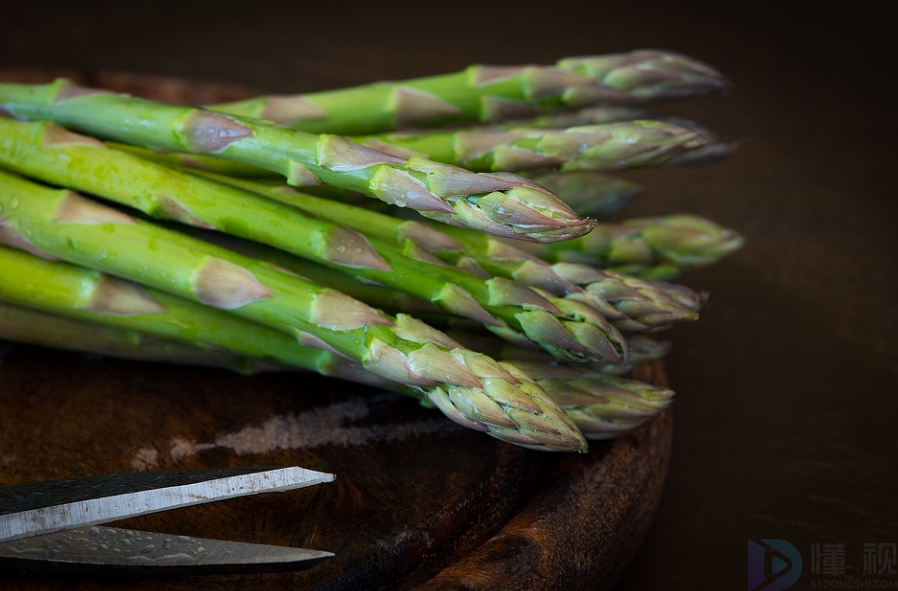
[[588, 116], [656, 248], [153, 320], [605, 406], [608, 147], [694, 300], [461, 382], [229, 169], [642, 348], [568, 330], [630, 304], [713, 149], [489, 93], [602, 406], [25, 325], [206, 162], [502, 204], [592, 194]]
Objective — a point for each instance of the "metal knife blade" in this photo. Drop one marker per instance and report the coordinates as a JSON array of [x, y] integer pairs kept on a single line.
[[116, 551], [119, 496]]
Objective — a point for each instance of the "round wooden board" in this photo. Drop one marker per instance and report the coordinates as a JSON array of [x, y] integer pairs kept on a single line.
[[419, 503]]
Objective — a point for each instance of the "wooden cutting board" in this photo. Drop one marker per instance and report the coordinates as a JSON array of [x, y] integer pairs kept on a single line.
[[419, 503]]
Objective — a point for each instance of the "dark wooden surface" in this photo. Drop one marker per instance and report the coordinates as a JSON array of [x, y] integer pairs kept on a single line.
[[786, 407]]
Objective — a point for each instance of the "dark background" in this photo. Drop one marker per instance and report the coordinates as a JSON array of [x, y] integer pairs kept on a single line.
[[786, 415]]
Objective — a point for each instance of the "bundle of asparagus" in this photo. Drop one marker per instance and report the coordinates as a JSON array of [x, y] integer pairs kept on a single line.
[[244, 235]]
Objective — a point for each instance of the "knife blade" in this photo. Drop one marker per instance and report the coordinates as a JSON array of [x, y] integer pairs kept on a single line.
[[115, 551], [42, 508]]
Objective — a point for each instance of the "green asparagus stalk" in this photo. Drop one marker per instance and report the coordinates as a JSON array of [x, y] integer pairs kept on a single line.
[[206, 162], [382, 297], [689, 298], [460, 382], [503, 204], [591, 194], [658, 248], [605, 115], [228, 169], [594, 399], [594, 195], [145, 315], [642, 348], [608, 147], [713, 149], [567, 329], [587, 116], [630, 304], [489, 93], [33, 327], [602, 406]]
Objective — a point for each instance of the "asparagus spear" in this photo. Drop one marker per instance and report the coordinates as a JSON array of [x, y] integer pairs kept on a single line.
[[206, 162], [567, 330], [582, 393], [607, 147], [632, 305], [25, 325], [489, 93], [588, 116], [502, 204], [713, 149], [62, 224], [656, 248], [229, 169], [694, 300], [596, 400], [145, 315], [592, 194], [642, 348]]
